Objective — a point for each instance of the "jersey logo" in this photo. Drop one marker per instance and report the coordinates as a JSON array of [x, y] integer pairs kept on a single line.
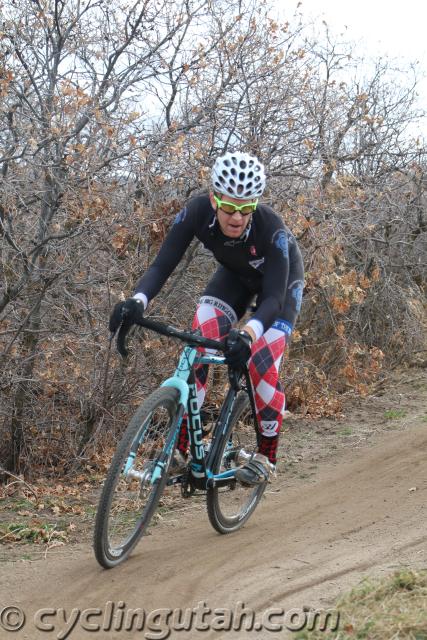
[[256, 263], [232, 243], [280, 240], [283, 326], [180, 216], [297, 288], [252, 250]]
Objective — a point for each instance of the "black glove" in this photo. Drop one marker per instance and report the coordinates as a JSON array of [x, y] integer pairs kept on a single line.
[[131, 310], [238, 348]]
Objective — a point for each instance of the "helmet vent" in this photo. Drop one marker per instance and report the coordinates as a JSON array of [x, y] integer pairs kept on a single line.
[[239, 175]]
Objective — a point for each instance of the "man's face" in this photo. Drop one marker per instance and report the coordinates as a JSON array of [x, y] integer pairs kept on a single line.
[[232, 224]]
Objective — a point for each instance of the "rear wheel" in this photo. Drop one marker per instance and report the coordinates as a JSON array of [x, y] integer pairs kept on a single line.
[[136, 478], [230, 506]]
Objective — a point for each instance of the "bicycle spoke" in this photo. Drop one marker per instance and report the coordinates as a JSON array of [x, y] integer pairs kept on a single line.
[[229, 506]]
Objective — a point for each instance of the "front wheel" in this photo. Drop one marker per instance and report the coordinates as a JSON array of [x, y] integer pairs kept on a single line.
[[136, 478], [230, 506]]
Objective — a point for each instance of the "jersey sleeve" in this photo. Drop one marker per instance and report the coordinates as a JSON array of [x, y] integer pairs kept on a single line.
[[173, 248], [276, 275]]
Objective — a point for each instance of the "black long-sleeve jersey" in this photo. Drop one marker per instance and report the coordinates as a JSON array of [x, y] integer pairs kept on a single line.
[[266, 258]]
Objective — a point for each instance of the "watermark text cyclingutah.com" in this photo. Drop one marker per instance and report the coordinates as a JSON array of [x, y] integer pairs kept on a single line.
[[158, 624]]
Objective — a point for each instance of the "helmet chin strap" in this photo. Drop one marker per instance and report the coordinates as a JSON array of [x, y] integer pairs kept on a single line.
[[243, 237], [214, 219], [245, 234]]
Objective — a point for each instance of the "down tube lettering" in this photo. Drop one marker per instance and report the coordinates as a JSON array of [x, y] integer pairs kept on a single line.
[[196, 424]]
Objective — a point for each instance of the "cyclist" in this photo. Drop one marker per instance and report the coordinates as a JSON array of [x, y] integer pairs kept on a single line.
[[258, 258]]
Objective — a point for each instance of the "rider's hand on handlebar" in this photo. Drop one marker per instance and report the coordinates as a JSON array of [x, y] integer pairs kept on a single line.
[[130, 310], [238, 348]]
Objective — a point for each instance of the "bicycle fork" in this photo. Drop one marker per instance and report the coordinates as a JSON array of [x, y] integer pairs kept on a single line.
[[154, 474]]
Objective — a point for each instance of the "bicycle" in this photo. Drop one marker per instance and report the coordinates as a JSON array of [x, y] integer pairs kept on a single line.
[[141, 466]]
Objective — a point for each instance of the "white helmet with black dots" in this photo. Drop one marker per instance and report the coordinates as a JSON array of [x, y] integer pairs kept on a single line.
[[238, 175]]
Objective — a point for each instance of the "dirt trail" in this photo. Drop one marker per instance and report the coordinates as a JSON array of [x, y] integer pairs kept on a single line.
[[319, 530]]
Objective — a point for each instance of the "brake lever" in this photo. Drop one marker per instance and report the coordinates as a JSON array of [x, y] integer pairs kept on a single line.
[[121, 339]]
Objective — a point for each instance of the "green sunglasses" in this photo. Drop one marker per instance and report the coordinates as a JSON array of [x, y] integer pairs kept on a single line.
[[230, 207]]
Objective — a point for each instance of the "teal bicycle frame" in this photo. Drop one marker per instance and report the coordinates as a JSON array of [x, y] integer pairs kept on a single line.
[[184, 381]]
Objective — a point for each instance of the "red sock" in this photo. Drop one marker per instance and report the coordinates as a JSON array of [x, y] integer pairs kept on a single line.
[[268, 447], [183, 439]]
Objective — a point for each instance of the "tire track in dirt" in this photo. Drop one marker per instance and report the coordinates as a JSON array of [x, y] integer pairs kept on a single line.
[[304, 545]]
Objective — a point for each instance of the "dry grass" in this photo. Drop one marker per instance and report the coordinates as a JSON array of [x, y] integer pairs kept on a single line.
[[389, 609]]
